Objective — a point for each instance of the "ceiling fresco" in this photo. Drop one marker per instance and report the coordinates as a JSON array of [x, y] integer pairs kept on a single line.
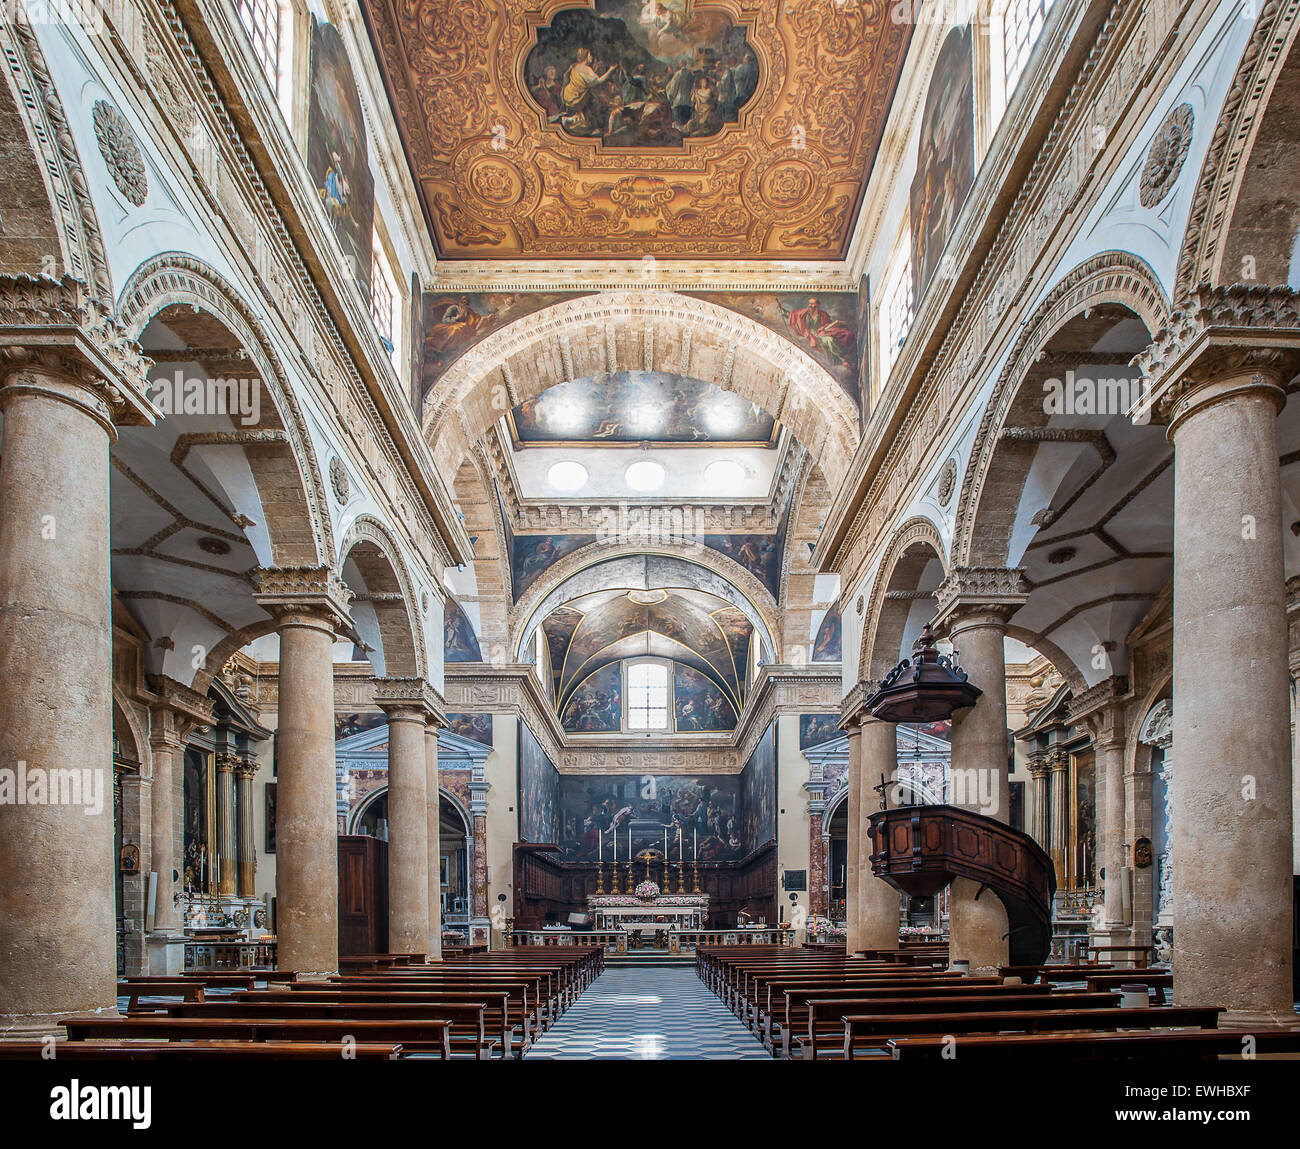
[[640, 407], [622, 128]]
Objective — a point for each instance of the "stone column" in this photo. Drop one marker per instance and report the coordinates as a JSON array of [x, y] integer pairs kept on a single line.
[[433, 836], [853, 847], [57, 897], [1058, 777], [226, 760], [974, 607], [1038, 803], [877, 899], [1102, 710], [171, 721], [1232, 791], [246, 851], [310, 607], [410, 884]]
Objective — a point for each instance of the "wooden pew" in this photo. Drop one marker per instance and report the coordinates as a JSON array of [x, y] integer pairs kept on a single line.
[[134, 990], [1162, 982], [466, 1013], [824, 1029], [135, 1050], [870, 1033], [507, 1011], [789, 1016], [1175, 1045], [423, 1036]]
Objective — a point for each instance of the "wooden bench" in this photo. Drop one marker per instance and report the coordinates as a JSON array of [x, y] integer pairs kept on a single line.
[[824, 1028], [1177, 1045], [507, 1005], [134, 990], [133, 1050], [1137, 954], [871, 1032], [467, 1016], [789, 1017], [1162, 982], [430, 1036]]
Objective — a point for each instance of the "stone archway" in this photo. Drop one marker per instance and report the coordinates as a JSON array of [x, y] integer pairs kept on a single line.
[[1112, 278], [389, 593], [640, 330], [914, 546], [173, 278]]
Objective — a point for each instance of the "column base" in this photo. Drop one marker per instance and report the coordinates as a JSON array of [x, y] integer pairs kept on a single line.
[[1112, 935], [1248, 1020], [166, 954], [40, 1026]]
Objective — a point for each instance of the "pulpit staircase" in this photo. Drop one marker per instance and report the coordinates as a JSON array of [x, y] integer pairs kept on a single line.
[[921, 849]]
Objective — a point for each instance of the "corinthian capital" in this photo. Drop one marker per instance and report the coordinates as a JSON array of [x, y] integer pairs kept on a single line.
[[412, 696], [55, 327], [1221, 332], [970, 593], [317, 592]]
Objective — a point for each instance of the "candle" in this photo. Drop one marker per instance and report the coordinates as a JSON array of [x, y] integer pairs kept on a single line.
[[1085, 862], [695, 851], [679, 843], [665, 843], [600, 844]]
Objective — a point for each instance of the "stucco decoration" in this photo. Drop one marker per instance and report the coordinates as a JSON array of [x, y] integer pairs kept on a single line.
[[121, 152]]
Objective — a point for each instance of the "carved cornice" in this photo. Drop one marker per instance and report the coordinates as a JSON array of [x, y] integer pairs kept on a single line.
[[175, 711], [967, 592], [1107, 693]]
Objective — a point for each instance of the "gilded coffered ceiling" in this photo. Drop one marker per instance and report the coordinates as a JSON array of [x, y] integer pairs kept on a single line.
[[616, 129]]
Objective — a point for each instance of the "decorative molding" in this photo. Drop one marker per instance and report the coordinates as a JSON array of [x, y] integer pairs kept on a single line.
[[1221, 331], [57, 323], [966, 591], [121, 152], [339, 481], [70, 199], [318, 591], [1165, 156]]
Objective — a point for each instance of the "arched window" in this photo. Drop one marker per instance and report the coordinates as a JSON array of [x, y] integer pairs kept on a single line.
[[647, 695]]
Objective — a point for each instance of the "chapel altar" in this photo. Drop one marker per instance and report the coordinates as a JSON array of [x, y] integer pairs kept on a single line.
[[663, 911]]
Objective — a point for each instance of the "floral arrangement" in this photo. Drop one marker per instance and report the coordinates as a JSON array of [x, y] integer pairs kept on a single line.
[[615, 900], [646, 890], [912, 931], [682, 900], [825, 929]]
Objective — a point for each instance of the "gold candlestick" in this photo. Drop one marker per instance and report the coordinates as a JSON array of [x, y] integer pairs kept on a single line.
[[696, 890], [600, 878], [681, 879]]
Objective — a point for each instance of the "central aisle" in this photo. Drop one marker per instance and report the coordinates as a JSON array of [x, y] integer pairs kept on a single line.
[[650, 1014]]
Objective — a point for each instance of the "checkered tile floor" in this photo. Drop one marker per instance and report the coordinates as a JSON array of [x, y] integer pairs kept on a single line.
[[648, 1015]]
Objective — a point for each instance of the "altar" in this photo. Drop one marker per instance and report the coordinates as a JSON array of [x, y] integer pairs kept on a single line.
[[664, 912]]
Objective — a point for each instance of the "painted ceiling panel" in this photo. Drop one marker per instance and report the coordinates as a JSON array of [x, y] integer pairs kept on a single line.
[[621, 128]]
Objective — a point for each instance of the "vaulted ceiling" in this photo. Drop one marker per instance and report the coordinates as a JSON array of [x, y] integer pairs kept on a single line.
[[614, 129], [688, 626]]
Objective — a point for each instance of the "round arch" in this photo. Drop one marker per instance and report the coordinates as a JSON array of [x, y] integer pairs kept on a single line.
[[390, 592], [303, 534], [640, 330], [74, 230], [1255, 111], [733, 583], [914, 545], [1109, 278]]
